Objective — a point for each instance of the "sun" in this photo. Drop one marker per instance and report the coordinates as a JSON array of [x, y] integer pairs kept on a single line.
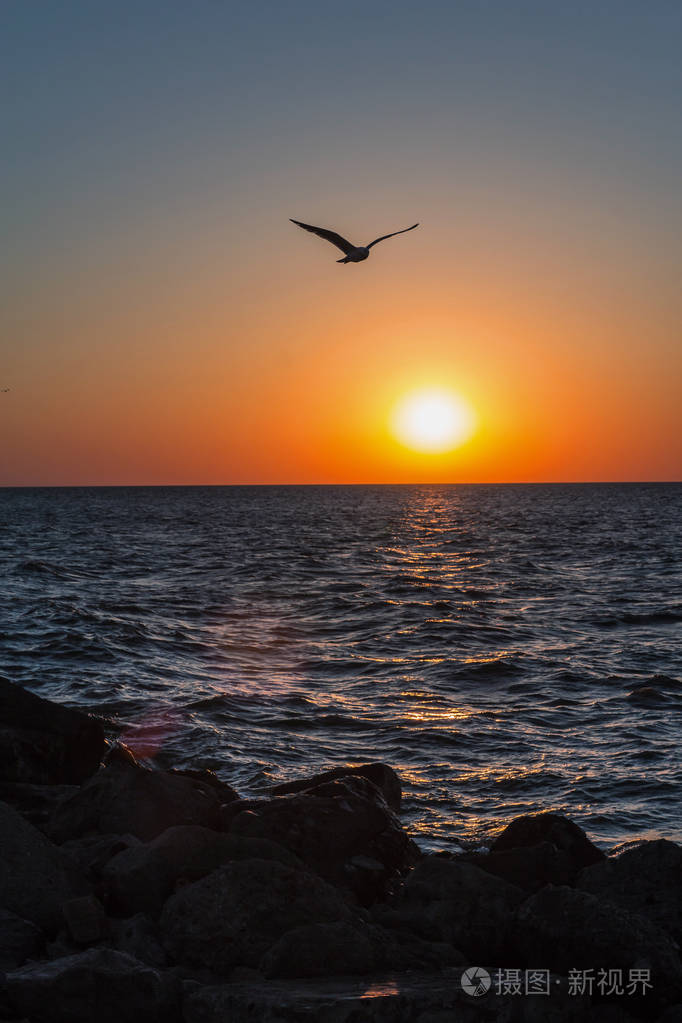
[[433, 421]]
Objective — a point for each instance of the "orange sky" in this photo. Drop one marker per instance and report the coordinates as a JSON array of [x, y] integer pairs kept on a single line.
[[174, 327]]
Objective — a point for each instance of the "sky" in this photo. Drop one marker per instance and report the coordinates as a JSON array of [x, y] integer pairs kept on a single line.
[[163, 322]]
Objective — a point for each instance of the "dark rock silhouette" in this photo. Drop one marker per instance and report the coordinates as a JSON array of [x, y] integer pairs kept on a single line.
[[381, 775], [235, 914], [122, 799], [342, 829], [143, 876], [98, 984], [36, 878], [645, 880], [532, 829], [44, 743]]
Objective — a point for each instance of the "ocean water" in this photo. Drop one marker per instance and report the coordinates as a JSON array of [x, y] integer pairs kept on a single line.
[[505, 648]]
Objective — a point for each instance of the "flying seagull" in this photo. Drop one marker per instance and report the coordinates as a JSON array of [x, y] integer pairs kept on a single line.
[[353, 253]]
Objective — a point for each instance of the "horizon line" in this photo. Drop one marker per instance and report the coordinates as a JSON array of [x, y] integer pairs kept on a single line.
[[418, 483]]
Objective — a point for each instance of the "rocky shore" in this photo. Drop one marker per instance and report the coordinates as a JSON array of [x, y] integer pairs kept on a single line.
[[128, 893]]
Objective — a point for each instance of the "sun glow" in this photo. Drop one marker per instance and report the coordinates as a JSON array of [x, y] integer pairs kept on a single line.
[[433, 421]]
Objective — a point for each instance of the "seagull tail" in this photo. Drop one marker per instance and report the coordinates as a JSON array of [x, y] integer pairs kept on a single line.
[[344, 260]]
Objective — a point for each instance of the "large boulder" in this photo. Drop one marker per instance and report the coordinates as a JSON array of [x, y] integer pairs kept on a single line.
[[566, 835], [43, 742], [566, 929], [353, 947], [381, 775], [99, 984], [645, 880], [528, 867], [36, 878], [232, 917], [321, 950], [141, 878], [128, 799], [343, 830], [455, 902]]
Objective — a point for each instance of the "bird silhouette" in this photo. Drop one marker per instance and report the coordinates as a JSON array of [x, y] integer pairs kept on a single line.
[[353, 253]]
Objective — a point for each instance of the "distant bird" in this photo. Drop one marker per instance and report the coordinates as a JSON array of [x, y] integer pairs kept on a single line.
[[354, 253], [4, 390]]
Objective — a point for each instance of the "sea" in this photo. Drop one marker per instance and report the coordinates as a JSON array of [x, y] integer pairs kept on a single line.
[[506, 648]]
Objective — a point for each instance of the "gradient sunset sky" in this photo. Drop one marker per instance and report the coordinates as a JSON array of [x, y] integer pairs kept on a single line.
[[164, 322]]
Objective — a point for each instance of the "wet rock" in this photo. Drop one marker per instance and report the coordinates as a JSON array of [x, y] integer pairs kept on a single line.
[[43, 742], [529, 867], [122, 799], [343, 830], [141, 878], [99, 984], [19, 940], [86, 920], [36, 878], [532, 829], [232, 916], [565, 929], [119, 754], [225, 792], [381, 775], [645, 880], [454, 902]]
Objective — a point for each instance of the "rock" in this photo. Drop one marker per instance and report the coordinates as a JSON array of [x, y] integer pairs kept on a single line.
[[19, 940], [232, 916], [138, 936], [35, 802], [91, 853], [529, 867], [343, 830], [381, 775], [646, 879], [352, 948], [225, 792], [99, 984], [531, 829], [321, 950], [36, 878], [565, 929], [122, 799], [454, 902], [141, 878], [45, 743], [119, 754], [85, 919]]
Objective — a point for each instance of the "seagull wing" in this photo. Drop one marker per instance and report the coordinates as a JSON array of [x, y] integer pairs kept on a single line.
[[329, 236], [385, 236]]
